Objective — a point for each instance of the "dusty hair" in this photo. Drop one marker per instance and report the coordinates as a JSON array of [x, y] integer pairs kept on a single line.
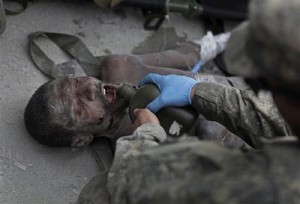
[[40, 121]]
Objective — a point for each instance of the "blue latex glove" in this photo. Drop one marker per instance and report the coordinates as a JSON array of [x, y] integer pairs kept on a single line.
[[174, 90]]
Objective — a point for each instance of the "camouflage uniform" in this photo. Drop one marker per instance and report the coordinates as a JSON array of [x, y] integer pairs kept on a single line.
[[241, 111], [193, 171]]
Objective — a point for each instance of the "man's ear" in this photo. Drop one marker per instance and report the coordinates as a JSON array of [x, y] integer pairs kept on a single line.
[[81, 140]]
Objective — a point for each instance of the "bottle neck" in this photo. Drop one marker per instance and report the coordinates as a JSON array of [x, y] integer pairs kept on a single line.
[[126, 92]]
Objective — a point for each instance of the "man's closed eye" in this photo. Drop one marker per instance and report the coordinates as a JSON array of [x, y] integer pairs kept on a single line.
[[79, 108]]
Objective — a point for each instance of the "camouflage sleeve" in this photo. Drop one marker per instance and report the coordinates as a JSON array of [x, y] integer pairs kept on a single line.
[[207, 172], [127, 148], [99, 189], [144, 137], [241, 111]]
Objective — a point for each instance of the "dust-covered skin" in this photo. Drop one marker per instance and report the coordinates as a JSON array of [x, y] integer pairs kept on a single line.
[[85, 104], [131, 69]]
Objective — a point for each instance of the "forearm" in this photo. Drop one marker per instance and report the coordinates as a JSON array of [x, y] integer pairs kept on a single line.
[[167, 71], [184, 56], [241, 111]]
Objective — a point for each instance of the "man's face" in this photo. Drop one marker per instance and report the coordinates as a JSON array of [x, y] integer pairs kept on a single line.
[[83, 104]]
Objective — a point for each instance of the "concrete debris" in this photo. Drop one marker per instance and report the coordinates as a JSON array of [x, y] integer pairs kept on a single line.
[[20, 166]]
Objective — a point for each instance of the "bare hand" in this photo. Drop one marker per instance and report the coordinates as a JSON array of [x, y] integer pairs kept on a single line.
[[144, 116]]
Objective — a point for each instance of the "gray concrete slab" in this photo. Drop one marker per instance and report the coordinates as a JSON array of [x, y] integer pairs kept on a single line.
[[30, 172]]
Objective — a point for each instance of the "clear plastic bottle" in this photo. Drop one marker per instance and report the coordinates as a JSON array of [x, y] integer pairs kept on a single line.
[[176, 121]]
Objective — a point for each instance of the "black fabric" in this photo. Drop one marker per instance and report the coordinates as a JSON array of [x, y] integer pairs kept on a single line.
[[95, 192], [104, 152], [225, 9], [153, 5], [76, 1], [219, 60]]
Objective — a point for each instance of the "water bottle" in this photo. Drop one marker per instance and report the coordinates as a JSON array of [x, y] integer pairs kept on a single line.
[[175, 120]]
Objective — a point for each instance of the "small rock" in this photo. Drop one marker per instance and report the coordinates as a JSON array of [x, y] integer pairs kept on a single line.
[[20, 166]]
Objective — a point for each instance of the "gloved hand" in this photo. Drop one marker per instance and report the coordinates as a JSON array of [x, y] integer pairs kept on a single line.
[[174, 90]]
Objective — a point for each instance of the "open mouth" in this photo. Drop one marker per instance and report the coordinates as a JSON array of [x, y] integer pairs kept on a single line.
[[110, 92]]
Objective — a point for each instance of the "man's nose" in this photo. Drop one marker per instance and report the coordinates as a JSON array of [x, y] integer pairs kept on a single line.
[[89, 91]]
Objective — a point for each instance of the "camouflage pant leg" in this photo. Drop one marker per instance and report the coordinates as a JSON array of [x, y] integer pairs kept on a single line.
[[190, 172]]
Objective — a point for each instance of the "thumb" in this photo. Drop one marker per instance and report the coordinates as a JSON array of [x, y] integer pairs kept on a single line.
[[155, 105], [136, 111], [149, 79]]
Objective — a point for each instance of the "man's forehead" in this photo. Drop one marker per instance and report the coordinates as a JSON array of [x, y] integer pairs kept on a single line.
[[60, 101], [62, 91], [59, 87], [63, 84]]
